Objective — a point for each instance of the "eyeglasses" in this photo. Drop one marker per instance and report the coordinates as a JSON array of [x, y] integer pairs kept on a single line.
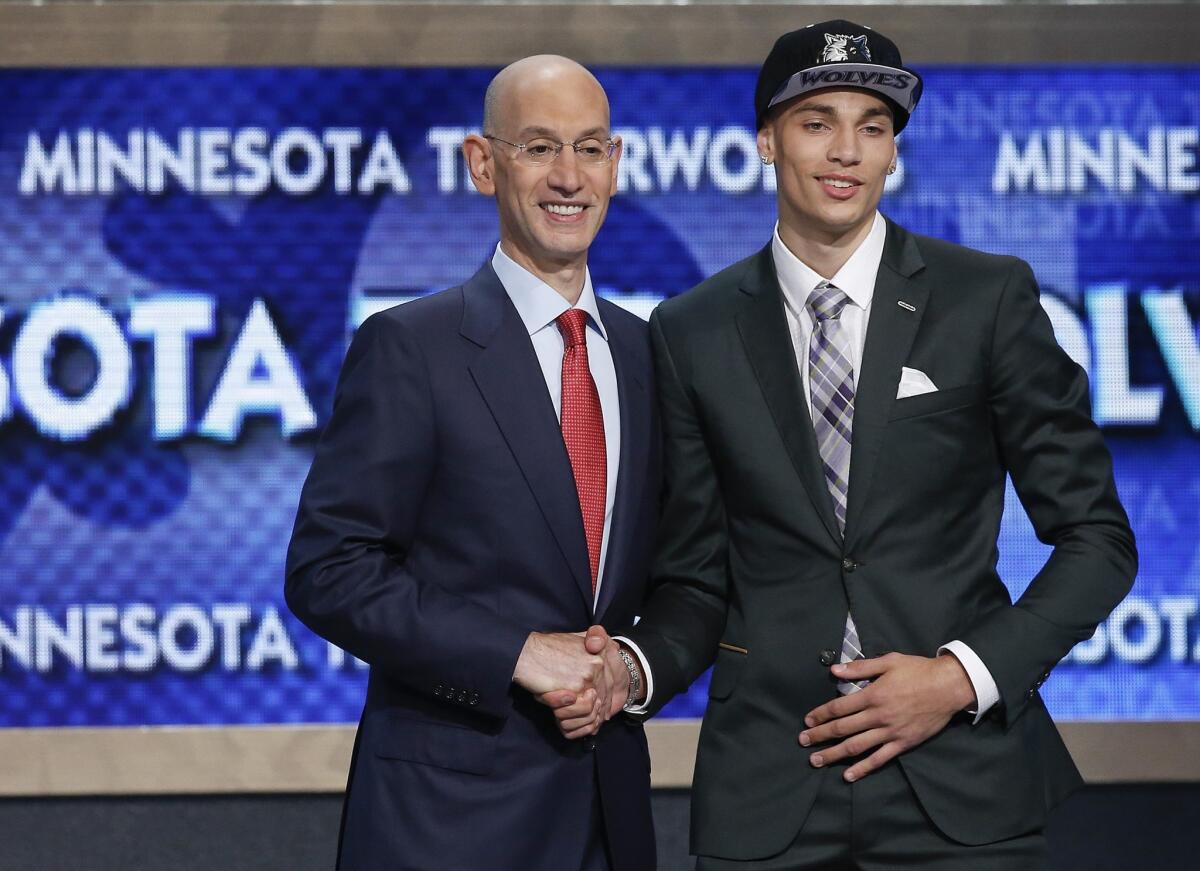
[[541, 152]]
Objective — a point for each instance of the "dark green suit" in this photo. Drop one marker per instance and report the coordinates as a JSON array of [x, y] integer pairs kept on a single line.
[[750, 556]]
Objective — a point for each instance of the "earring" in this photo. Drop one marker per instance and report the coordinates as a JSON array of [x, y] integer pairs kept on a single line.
[[892, 169], [765, 160]]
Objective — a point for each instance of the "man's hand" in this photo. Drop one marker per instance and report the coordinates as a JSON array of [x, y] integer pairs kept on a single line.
[[582, 714], [561, 662], [909, 700]]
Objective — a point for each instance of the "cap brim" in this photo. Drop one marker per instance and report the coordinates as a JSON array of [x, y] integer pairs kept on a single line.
[[899, 85]]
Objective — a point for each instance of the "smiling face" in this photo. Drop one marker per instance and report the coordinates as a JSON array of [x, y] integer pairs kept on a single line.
[[832, 150], [549, 214]]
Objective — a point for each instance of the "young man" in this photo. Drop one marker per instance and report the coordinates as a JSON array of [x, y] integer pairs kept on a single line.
[[485, 489], [841, 411]]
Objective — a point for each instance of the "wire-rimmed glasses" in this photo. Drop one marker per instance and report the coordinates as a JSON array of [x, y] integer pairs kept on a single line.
[[590, 151]]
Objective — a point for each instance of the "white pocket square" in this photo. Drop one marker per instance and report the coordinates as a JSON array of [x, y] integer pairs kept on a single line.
[[914, 382]]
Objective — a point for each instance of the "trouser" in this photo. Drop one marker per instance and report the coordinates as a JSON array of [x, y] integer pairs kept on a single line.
[[595, 857], [877, 823]]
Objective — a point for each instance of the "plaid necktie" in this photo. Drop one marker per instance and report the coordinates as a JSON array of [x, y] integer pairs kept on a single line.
[[831, 383], [583, 432]]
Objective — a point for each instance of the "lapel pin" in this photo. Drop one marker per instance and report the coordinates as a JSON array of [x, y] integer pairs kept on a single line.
[[903, 304]]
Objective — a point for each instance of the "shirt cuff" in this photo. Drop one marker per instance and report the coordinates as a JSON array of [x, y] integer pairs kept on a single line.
[[647, 677], [986, 692]]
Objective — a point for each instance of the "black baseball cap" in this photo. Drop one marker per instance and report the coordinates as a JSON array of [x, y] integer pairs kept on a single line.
[[836, 54]]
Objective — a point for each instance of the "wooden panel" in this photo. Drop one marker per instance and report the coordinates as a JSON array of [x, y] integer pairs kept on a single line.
[[316, 758], [181, 34]]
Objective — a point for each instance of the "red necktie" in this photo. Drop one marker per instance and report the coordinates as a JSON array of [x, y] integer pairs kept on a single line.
[[583, 432]]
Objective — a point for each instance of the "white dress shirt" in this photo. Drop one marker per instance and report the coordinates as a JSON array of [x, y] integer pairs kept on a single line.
[[856, 279], [539, 305]]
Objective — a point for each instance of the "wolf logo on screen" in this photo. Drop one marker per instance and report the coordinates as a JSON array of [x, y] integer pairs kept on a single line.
[[839, 47]]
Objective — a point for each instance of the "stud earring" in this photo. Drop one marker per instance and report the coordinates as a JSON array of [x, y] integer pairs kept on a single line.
[[765, 160], [892, 169]]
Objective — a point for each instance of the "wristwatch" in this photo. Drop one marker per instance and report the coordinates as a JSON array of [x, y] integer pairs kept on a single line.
[[635, 678]]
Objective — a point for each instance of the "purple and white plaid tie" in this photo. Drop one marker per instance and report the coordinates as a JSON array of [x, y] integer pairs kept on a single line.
[[831, 383]]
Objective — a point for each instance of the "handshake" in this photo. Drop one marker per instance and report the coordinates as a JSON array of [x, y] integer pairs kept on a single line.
[[580, 676]]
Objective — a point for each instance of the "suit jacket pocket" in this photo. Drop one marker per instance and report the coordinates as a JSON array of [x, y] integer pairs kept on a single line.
[[442, 745], [932, 403], [726, 672]]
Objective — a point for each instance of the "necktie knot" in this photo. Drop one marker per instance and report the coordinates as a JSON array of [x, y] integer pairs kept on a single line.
[[826, 302], [571, 324]]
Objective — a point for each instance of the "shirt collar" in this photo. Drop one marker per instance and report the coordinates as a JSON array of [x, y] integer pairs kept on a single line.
[[856, 278], [538, 303]]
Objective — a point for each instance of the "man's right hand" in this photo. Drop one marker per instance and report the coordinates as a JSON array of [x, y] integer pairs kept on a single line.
[[560, 665], [580, 715]]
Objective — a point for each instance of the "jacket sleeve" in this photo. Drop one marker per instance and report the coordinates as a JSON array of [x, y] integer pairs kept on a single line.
[[348, 576], [1062, 472], [684, 616]]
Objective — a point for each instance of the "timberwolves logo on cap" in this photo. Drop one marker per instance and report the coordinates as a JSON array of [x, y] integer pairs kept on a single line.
[[840, 47], [836, 54]]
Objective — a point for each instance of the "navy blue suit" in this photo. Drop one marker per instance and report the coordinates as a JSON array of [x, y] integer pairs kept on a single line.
[[438, 527]]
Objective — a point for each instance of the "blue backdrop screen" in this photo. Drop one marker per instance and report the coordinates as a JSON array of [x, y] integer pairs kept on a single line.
[[185, 253]]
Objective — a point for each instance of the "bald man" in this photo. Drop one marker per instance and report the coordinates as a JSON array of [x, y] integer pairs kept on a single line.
[[485, 491]]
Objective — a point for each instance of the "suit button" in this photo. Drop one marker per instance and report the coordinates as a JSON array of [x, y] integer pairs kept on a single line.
[[591, 745], [828, 656], [474, 700], [461, 698], [849, 565], [439, 691]]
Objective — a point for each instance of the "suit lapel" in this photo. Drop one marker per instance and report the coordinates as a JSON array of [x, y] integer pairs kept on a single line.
[[890, 333], [632, 469], [763, 328], [511, 383]]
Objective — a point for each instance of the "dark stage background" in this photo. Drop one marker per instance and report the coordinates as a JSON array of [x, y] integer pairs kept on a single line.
[[1140, 827]]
